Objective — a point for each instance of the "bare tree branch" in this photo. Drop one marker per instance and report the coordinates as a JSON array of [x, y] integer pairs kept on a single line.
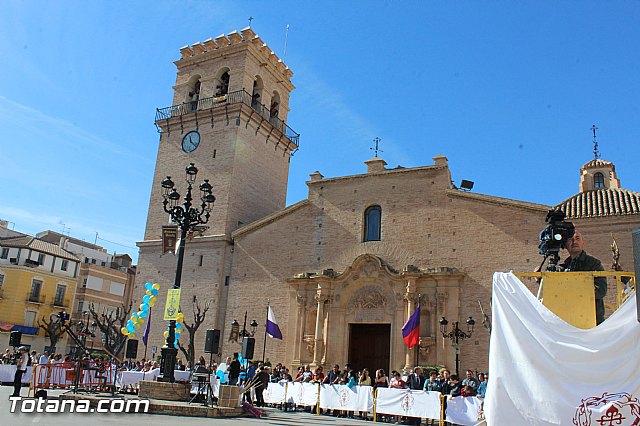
[[199, 315], [109, 323], [53, 329]]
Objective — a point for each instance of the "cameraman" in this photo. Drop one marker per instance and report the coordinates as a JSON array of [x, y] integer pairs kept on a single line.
[[579, 260], [21, 367]]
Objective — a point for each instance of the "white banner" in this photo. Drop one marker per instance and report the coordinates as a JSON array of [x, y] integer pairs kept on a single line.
[[8, 372], [547, 372], [302, 393], [405, 402], [275, 393], [463, 410], [342, 397]]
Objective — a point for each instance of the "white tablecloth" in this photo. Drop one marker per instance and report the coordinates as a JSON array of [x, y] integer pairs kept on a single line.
[[8, 372]]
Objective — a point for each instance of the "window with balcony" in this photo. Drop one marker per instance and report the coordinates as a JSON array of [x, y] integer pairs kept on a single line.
[[372, 223], [4, 253], [65, 265], [36, 288], [60, 291]]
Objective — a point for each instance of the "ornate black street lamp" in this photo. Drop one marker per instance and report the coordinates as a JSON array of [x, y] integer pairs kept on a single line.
[[244, 332], [187, 216], [456, 335]]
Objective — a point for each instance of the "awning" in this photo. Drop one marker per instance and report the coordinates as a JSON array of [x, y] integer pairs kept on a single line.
[[25, 330], [5, 326]]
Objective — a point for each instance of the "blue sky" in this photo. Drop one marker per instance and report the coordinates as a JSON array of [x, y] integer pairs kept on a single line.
[[506, 90]]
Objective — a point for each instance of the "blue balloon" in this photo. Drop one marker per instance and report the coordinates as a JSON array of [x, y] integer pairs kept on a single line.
[[130, 323], [154, 291], [145, 306], [177, 335], [145, 298], [131, 328], [148, 286], [143, 314]]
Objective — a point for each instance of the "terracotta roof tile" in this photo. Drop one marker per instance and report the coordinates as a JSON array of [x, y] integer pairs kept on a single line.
[[37, 245], [601, 203]]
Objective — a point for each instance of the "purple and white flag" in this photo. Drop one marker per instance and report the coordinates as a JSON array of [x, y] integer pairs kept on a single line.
[[145, 336], [272, 327]]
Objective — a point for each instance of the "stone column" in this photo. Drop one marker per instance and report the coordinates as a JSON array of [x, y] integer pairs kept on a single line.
[[410, 297], [317, 347], [299, 335]]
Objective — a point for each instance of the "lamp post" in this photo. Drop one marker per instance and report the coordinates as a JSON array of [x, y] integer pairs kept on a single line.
[[456, 335], [187, 216], [245, 334]]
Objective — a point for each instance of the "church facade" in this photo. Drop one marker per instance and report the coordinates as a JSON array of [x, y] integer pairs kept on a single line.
[[346, 267]]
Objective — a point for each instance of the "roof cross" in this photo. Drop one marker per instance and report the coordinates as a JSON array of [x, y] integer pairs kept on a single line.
[[376, 149], [596, 153]]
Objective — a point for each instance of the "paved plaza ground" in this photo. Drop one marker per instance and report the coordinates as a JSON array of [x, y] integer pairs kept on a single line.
[[275, 417]]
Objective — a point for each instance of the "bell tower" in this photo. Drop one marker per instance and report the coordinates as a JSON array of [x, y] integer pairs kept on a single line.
[[229, 114], [228, 117]]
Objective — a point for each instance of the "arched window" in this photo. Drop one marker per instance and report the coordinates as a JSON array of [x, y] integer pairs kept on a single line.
[[193, 94], [598, 180], [222, 86], [256, 95], [372, 223]]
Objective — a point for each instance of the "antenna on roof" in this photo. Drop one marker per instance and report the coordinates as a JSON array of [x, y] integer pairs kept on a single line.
[[286, 38], [596, 153]]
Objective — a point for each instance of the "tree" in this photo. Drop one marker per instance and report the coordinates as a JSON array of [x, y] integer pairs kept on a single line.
[[109, 323], [199, 314], [53, 329]]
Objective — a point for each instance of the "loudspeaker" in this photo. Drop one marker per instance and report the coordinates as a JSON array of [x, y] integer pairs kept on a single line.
[[248, 344], [212, 342], [132, 349], [14, 338]]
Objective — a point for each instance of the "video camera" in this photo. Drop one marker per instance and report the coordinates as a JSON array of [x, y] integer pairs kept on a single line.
[[554, 237]]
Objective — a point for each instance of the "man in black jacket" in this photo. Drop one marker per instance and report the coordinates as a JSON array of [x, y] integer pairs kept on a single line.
[[579, 260], [234, 370]]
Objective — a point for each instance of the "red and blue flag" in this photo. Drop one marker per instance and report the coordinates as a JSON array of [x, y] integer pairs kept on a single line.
[[411, 329]]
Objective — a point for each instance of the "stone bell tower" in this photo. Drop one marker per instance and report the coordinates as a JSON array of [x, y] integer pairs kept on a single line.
[[229, 117]]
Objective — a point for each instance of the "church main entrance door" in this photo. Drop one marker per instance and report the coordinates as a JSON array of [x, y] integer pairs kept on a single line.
[[369, 346]]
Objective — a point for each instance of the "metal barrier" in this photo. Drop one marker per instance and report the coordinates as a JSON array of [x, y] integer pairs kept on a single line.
[[83, 375]]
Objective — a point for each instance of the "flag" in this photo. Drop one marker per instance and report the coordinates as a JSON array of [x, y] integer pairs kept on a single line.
[[145, 336], [411, 329], [272, 327]]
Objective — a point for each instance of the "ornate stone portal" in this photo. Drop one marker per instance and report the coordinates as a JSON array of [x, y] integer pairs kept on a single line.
[[329, 307]]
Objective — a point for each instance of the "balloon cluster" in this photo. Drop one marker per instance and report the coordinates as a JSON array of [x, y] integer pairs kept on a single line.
[[179, 328], [138, 318]]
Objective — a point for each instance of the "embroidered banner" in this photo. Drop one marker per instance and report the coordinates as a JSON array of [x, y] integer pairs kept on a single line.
[[463, 410], [545, 371], [275, 393], [405, 402]]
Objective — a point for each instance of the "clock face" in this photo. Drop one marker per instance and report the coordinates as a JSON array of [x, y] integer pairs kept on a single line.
[[190, 141]]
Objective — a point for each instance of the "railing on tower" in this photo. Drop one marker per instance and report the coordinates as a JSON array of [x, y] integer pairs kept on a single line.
[[238, 97]]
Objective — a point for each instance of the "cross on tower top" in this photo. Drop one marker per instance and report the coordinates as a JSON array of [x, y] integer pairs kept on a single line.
[[377, 140], [596, 153], [250, 19]]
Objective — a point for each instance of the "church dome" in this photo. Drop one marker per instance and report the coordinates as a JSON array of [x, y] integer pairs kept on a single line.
[[601, 203]]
